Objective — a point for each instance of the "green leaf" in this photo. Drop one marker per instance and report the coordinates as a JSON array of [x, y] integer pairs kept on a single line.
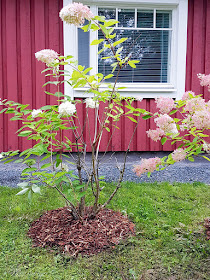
[[22, 185], [190, 158], [145, 117], [173, 112], [110, 22], [96, 42], [23, 191], [29, 170], [131, 64], [119, 42], [46, 165], [132, 119], [36, 189], [163, 140], [108, 76], [47, 107], [107, 129], [25, 133]]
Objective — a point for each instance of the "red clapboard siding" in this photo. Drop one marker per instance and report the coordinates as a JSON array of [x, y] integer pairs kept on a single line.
[[28, 26]]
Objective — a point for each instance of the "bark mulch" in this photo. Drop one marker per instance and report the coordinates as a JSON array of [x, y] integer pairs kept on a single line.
[[57, 228]]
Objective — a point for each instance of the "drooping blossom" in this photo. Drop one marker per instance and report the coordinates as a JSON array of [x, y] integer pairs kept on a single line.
[[167, 124], [63, 167], [147, 165], [195, 104], [204, 80], [206, 147], [1, 102], [47, 56], [201, 119], [35, 113], [75, 13], [1, 156], [186, 95], [179, 154], [90, 103], [155, 134], [164, 104], [66, 109]]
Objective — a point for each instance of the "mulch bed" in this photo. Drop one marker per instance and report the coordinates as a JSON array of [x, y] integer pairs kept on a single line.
[[58, 228]]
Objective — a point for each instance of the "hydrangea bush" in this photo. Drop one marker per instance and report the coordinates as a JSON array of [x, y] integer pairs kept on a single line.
[[185, 122], [46, 125]]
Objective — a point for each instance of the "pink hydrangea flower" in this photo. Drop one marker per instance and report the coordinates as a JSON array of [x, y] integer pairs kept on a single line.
[[47, 56], [167, 124], [186, 95], [164, 104], [147, 165], [75, 13], [204, 80], [179, 154], [195, 104], [201, 119], [155, 134]]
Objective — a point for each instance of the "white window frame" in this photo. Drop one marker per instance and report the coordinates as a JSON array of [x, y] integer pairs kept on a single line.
[[176, 87]]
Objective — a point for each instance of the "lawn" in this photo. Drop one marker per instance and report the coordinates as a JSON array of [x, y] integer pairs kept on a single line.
[[169, 242]]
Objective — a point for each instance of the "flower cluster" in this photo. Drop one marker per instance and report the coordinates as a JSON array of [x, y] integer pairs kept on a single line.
[[204, 80], [206, 147], [179, 154], [155, 134], [166, 124], [164, 104], [75, 13], [147, 165], [47, 56], [187, 94], [66, 109], [90, 103], [195, 104], [35, 113], [63, 167]]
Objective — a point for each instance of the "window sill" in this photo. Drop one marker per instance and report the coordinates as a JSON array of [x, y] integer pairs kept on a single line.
[[143, 90]]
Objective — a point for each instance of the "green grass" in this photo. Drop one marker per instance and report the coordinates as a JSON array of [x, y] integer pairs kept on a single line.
[[169, 243]]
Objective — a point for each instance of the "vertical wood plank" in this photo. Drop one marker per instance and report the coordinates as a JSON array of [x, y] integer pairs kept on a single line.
[[25, 60], [39, 44], [142, 138], [190, 33], [198, 44], [1, 78], [106, 135], [11, 71], [207, 48]]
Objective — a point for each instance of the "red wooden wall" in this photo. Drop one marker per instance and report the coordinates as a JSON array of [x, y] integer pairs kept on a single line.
[[27, 26]]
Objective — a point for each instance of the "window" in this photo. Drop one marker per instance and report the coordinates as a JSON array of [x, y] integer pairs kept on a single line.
[[156, 32]]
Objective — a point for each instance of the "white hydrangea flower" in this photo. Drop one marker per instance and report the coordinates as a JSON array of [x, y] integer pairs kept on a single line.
[[63, 167], [47, 56], [90, 103], [76, 13], [206, 147], [1, 156], [66, 109], [35, 113]]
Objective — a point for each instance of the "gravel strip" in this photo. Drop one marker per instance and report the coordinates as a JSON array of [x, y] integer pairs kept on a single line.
[[185, 171]]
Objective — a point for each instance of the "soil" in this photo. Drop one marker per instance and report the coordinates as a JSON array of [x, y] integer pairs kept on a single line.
[[57, 228]]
